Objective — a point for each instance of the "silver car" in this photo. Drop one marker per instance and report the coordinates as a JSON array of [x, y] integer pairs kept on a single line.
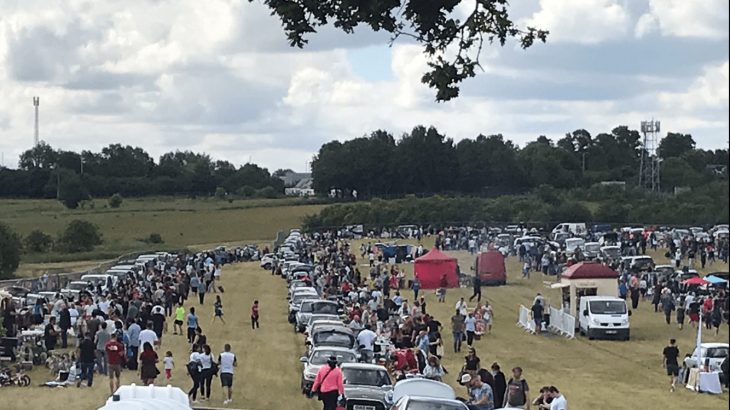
[[366, 386]]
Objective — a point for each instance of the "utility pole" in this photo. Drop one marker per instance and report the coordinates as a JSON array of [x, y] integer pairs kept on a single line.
[[36, 103]]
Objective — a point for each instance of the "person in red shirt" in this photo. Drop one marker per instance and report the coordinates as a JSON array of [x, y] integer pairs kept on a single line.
[[115, 359], [255, 315]]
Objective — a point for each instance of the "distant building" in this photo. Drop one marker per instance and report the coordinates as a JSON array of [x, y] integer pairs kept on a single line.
[[291, 179], [298, 184], [717, 170]]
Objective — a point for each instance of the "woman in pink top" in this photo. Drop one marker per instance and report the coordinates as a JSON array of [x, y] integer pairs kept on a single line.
[[328, 384]]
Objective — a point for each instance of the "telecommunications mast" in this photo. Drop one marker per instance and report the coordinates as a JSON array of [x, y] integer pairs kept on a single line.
[[649, 166]]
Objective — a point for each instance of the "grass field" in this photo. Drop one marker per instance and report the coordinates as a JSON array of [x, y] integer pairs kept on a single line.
[[182, 222], [592, 374]]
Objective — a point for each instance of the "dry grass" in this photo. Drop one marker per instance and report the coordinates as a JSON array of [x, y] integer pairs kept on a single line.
[[592, 374], [181, 222]]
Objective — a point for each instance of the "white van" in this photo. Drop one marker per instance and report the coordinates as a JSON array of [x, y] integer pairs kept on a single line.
[[576, 228], [604, 317], [100, 278]]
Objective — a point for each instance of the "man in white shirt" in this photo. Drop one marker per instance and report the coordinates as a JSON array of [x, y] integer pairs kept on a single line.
[[366, 339], [148, 336], [462, 307], [226, 362], [559, 402]]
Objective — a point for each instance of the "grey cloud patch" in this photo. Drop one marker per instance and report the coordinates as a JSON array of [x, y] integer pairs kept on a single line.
[[37, 54], [92, 78]]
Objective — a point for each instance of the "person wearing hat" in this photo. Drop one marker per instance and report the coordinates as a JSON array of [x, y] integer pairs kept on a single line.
[[328, 384], [481, 396]]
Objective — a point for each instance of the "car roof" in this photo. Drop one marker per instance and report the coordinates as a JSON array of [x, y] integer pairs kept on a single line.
[[607, 298], [333, 349], [335, 329], [707, 345], [362, 366]]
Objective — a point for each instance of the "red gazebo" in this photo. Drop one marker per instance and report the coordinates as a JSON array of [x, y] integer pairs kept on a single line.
[[430, 267]]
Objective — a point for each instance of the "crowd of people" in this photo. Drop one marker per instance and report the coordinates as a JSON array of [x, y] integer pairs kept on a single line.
[[378, 307], [121, 326]]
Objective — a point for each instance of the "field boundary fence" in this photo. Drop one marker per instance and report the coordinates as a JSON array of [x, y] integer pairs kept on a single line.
[[525, 320], [562, 323]]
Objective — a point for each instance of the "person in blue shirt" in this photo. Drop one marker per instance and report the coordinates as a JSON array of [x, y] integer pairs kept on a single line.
[[481, 396]]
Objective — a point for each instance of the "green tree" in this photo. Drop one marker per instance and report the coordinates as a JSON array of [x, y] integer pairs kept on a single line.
[[432, 24], [70, 189], [676, 172], [80, 236], [41, 156], [675, 145], [9, 251], [220, 193], [38, 241], [115, 201]]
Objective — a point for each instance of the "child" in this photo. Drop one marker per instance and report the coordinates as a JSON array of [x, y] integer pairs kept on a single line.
[[218, 309], [169, 365], [255, 315], [526, 270]]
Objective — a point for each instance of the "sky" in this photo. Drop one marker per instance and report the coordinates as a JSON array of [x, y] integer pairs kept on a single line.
[[219, 77]]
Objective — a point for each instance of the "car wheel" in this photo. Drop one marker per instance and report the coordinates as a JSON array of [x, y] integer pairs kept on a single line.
[[590, 336], [267, 266]]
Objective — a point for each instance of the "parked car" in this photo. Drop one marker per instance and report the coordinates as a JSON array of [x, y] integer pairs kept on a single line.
[[592, 250], [74, 288], [366, 386], [16, 291], [610, 254], [312, 307], [319, 357], [715, 353], [267, 261], [571, 244], [423, 394]]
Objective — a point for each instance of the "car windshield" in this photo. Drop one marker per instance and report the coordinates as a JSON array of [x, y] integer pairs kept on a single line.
[[717, 352], [366, 377], [612, 252], [608, 307], [431, 405], [306, 307], [324, 308], [301, 296], [315, 318], [593, 247], [333, 338], [77, 286], [320, 357]]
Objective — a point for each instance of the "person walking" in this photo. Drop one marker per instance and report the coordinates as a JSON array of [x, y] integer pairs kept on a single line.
[[457, 329], [193, 368], [328, 384], [477, 289], [481, 395], [64, 322], [416, 286], [86, 354], [115, 358], [559, 402], [133, 331], [169, 364], [218, 309], [499, 386], [192, 320], [148, 369], [470, 325], [206, 372], [227, 361], [101, 338], [518, 392], [670, 354], [201, 292], [179, 318], [255, 315]]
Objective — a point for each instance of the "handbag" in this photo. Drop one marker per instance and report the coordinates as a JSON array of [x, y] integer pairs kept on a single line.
[[214, 368]]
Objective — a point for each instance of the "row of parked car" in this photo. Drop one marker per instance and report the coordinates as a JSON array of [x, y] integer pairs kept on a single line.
[[90, 284], [368, 384]]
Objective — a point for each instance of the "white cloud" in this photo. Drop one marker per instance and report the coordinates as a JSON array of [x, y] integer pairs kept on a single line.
[[685, 18], [708, 91], [584, 21], [218, 77]]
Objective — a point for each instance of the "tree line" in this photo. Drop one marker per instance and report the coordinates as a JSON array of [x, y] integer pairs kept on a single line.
[[426, 161], [543, 206], [44, 172]]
